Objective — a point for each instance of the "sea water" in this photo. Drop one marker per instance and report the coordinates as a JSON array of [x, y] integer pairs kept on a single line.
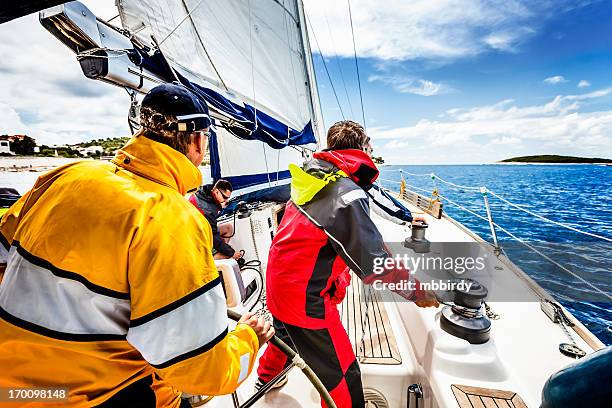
[[576, 195]]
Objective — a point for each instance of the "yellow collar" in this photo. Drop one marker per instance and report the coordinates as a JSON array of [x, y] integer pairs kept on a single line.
[[159, 163]]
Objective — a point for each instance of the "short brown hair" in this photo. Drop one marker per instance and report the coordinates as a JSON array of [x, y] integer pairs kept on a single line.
[[156, 126], [222, 184], [346, 134]]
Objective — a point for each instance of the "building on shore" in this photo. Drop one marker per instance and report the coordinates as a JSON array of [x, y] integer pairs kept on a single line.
[[17, 144]]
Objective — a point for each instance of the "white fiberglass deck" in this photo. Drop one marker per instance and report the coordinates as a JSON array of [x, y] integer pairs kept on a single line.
[[520, 356]]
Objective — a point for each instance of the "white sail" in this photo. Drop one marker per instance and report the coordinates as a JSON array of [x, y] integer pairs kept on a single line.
[[253, 53]]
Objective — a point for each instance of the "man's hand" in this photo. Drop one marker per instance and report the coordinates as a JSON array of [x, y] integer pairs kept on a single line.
[[263, 329], [237, 255], [427, 298], [419, 221]]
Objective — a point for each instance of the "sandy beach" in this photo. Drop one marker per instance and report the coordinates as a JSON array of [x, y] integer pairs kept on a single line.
[[33, 163], [21, 172]]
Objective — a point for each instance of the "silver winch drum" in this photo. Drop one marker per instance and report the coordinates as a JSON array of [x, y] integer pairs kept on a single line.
[[417, 241], [465, 318]]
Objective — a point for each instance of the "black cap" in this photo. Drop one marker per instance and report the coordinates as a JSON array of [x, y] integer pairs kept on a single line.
[[180, 109]]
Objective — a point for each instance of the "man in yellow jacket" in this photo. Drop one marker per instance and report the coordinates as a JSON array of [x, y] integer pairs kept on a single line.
[[110, 289]]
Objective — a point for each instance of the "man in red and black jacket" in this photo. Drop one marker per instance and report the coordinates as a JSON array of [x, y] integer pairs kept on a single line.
[[321, 236]]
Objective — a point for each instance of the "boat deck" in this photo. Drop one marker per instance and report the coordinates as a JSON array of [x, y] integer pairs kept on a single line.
[[368, 327], [399, 344]]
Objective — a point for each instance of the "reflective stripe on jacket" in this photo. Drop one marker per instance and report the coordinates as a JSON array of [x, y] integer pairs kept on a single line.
[[110, 278]]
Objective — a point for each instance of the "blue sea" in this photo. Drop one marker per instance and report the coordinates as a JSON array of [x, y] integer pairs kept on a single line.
[[575, 195]]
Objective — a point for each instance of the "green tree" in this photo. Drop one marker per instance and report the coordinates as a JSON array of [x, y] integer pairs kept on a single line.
[[24, 146]]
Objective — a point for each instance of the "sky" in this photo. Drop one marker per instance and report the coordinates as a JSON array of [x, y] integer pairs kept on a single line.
[[443, 82]]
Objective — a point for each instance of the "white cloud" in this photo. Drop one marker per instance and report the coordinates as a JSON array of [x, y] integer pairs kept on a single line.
[[44, 92], [506, 140], [584, 84], [498, 131], [405, 84], [554, 80], [10, 119], [508, 40], [422, 29]]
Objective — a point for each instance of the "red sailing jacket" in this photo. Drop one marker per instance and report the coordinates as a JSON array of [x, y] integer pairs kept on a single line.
[[317, 242]]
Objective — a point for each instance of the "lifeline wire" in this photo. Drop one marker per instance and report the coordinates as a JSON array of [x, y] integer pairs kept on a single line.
[[324, 64]]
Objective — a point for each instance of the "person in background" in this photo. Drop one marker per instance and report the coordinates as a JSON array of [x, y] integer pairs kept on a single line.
[[110, 290], [326, 229], [210, 199]]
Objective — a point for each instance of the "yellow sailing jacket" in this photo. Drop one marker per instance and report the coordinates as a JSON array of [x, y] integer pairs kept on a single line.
[[110, 280]]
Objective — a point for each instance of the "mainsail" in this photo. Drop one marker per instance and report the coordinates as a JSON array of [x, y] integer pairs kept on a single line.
[[251, 61]]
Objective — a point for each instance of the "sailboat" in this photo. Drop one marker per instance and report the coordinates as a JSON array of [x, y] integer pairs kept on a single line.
[[250, 61]]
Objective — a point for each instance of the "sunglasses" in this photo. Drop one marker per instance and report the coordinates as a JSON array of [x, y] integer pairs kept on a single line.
[[223, 195]]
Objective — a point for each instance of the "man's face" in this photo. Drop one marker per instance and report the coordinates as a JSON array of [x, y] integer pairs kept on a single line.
[[197, 149], [367, 148], [222, 197]]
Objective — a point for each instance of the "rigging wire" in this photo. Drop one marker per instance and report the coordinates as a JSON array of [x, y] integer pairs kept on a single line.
[[405, 172], [530, 247], [195, 28], [348, 99], [453, 184], [518, 207], [324, 64], [181, 22], [188, 16], [510, 203], [356, 64]]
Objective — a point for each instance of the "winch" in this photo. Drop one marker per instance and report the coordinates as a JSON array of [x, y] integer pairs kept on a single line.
[[465, 317], [417, 241]]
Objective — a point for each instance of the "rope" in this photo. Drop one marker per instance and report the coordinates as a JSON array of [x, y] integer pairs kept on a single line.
[[90, 53], [518, 207], [531, 248], [324, 64], [383, 170], [453, 184], [390, 181], [415, 174], [180, 23], [288, 351], [419, 188], [298, 362], [356, 65], [195, 28]]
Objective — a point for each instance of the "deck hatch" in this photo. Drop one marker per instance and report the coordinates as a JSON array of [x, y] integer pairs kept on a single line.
[[476, 397]]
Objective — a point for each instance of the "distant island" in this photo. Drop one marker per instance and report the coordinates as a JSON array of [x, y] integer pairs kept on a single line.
[[553, 158]]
